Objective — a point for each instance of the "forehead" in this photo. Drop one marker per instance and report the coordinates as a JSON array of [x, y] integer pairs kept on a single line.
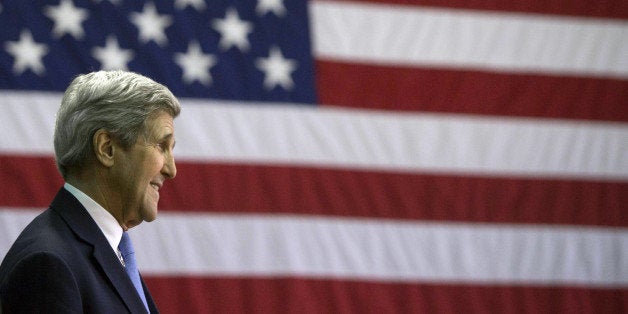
[[160, 125]]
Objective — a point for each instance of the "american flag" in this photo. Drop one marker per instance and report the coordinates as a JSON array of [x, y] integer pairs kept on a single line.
[[353, 156]]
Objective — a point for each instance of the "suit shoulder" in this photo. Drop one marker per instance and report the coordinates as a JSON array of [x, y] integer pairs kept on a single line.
[[47, 234], [47, 227]]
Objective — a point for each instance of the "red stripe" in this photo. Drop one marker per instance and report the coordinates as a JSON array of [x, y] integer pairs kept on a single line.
[[295, 295], [335, 192], [599, 8], [470, 92], [28, 181]]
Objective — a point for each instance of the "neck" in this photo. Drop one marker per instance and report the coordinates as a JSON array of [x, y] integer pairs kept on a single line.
[[91, 185]]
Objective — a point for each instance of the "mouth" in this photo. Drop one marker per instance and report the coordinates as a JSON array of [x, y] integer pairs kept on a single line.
[[156, 185]]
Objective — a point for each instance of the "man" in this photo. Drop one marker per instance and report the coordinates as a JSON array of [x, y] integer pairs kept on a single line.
[[113, 142]]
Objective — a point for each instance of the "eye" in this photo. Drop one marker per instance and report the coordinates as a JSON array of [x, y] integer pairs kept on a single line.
[[160, 147]]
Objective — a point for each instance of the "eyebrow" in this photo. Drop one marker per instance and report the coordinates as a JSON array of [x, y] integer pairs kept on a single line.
[[167, 137]]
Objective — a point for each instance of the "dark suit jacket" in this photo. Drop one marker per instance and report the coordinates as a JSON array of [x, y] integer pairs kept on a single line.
[[62, 263]]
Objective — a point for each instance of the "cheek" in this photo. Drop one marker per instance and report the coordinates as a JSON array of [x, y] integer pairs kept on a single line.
[[158, 163], [152, 166]]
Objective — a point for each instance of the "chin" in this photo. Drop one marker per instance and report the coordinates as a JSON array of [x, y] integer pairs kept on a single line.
[[149, 215], [148, 211]]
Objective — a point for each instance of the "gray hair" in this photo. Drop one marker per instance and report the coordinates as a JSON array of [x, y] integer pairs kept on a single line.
[[119, 102]]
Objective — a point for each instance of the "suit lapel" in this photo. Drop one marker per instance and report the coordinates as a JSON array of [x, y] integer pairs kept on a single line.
[[82, 224]]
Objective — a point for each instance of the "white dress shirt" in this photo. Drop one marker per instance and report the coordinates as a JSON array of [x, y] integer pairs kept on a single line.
[[105, 221]]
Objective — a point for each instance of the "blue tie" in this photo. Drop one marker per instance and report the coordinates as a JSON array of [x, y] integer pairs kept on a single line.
[[128, 255]]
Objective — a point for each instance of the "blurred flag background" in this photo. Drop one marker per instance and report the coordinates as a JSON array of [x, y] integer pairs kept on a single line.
[[352, 156]]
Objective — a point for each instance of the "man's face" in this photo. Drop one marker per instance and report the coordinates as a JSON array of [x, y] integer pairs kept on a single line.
[[143, 169]]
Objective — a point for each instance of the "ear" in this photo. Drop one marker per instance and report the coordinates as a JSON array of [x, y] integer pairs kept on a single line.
[[103, 147]]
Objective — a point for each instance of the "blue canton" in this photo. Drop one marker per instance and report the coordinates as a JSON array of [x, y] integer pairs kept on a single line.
[[232, 50]]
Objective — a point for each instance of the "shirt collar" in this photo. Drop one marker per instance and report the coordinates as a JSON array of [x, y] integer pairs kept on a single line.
[[105, 221]]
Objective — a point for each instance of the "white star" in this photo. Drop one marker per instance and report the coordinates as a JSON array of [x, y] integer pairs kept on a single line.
[[151, 25], [199, 5], [67, 19], [277, 69], [112, 57], [275, 6], [233, 30], [195, 64], [27, 54]]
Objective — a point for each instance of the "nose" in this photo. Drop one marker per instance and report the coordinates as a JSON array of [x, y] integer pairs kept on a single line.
[[169, 170]]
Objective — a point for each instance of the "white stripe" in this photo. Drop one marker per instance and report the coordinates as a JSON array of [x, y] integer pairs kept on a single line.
[[382, 250], [300, 135], [12, 222], [420, 36], [27, 121], [387, 250]]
